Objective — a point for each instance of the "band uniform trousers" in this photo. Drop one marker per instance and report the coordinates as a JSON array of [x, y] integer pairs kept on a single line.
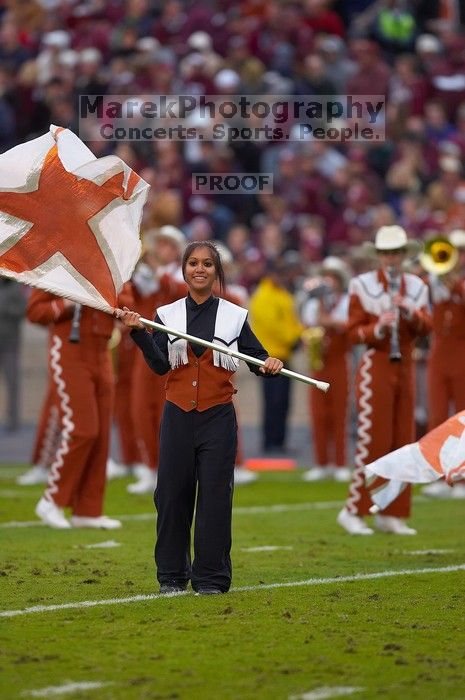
[[384, 389], [83, 377], [446, 362], [47, 437], [125, 354], [194, 445], [446, 380], [329, 411]]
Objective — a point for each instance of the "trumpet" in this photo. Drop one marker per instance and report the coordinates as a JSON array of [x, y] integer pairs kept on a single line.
[[439, 256]]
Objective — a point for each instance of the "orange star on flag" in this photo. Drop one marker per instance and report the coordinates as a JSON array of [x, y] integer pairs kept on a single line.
[[72, 225]]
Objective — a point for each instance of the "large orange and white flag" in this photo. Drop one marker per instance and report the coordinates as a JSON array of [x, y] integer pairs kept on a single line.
[[438, 454], [69, 222]]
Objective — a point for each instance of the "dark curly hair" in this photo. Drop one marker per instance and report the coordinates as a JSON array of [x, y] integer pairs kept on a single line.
[[193, 245]]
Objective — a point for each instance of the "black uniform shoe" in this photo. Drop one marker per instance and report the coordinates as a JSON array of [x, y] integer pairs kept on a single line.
[[167, 588], [208, 591]]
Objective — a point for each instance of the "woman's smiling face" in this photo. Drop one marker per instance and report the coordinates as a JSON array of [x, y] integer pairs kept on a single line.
[[200, 272]]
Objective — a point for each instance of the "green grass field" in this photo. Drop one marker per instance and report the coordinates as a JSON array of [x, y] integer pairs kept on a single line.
[[400, 635]]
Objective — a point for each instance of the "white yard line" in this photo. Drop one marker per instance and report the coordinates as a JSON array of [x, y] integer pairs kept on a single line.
[[240, 510], [422, 552], [7, 473], [16, 493], [261, 587], [266, 548], [21, 523], [67, 688], [286, 507], [325, 692], [108, 544]]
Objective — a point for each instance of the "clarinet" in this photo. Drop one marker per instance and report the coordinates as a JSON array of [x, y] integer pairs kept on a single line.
[[75, 334], [394, 287]]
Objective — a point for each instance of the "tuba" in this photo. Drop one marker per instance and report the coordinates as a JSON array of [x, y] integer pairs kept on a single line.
[[439, 256]]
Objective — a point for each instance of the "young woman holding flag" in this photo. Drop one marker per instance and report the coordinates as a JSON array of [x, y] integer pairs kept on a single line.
[[198, 435]]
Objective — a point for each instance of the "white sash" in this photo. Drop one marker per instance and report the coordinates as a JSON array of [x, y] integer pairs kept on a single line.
[[228, 325]]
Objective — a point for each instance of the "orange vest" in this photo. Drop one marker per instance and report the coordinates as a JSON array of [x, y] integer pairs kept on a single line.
[[199, 384]]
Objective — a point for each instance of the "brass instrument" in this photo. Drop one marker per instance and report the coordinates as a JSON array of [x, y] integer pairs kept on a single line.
[[314, 336], [439, 256], [313, 339]]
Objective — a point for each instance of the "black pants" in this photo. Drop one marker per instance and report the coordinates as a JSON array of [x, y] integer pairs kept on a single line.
[[197, 455], [276, 400]]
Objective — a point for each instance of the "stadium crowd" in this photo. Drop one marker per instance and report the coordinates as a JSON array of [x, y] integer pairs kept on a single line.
[[329, 198]]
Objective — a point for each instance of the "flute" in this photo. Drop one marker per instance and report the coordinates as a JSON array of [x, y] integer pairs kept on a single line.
[[75, 334], [393, 278]]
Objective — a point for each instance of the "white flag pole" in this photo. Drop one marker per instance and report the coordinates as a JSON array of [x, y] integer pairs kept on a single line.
[[323, 386]]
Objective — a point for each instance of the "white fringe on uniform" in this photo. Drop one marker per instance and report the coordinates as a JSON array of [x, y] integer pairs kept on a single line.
[[229, 321]]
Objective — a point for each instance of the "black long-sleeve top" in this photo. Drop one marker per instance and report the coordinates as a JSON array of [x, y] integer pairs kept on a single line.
[[201, 323]]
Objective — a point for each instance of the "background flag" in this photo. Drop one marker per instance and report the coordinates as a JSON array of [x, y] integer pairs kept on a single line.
[[439, 453], [69, 222]]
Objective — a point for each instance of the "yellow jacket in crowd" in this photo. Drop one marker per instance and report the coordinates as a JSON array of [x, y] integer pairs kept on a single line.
[[274, 319]]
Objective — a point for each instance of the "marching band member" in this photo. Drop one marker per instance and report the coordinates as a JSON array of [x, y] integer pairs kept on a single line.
[[387, 311], [198, 436], [446, 362], [82, 376], [325, 314], [157, 281]]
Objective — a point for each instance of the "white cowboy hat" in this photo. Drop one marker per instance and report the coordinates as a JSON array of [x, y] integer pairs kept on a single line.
[[335, 266], [389, 238], [173, 234]]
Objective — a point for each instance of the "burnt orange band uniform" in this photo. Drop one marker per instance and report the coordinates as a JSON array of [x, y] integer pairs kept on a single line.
[[82, 376], [446, 362], [385, 392]]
